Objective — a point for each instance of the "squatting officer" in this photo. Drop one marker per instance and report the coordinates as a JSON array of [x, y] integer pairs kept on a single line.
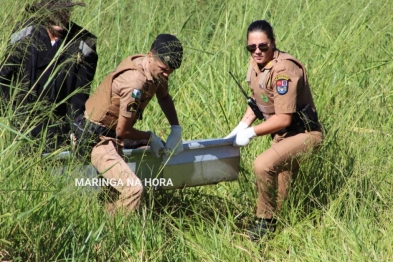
[[279, 85], [115, 106]]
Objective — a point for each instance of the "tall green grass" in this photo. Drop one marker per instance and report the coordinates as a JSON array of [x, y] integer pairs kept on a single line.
[[339, 208]]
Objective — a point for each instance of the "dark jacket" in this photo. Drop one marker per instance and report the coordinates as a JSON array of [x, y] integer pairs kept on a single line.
[[34, 71]]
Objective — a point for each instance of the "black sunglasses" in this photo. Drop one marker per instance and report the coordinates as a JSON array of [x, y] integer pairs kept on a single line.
[[263, 47]]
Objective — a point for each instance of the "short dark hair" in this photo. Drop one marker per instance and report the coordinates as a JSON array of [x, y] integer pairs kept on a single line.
[[46, 12], [52, 5], [169, 49], [261, 26]]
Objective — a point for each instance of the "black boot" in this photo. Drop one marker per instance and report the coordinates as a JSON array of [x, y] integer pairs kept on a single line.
[[263, 227]]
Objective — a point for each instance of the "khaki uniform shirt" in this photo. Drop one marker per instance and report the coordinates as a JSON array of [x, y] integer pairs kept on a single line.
[[281, 86], [136, 90], [126, 92]]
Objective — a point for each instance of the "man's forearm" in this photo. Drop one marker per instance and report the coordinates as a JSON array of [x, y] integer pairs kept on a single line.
[[133, 134], [168, 107]]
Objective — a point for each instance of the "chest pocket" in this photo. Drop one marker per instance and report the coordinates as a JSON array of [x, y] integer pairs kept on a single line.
[[264, 95]]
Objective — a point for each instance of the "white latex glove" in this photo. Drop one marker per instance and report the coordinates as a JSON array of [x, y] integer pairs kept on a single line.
[[174, 143], [156, 145], [240, 126], [74, 141], [244, 137]]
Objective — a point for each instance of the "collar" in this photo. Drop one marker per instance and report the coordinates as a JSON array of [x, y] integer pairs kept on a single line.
[[145, 63], [268, 66]]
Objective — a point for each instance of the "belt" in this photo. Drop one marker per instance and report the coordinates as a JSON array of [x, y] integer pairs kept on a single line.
[[295, 130], [96, 129]]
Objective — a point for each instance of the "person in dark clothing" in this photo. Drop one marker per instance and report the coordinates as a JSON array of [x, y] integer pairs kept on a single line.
[[50, 61]]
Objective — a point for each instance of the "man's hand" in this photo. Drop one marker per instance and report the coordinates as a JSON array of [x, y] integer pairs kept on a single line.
[[244, 137], [174, 143], [156, 145], [240, 126]]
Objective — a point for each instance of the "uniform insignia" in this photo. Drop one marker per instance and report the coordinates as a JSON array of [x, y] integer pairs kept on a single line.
[[85, 49], [279, 77], [264, 98], [282, 86], [269, 65], [137, 94], [132, 107], [15, 37]]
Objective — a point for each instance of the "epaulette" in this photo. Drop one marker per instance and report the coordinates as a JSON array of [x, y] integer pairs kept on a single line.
[[17, 36], [269, 65], [85, 48]]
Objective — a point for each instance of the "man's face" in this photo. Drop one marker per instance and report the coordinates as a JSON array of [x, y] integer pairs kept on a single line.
[[157, 68], [59, 19]]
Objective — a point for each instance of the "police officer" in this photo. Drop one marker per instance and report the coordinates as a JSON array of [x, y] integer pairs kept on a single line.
[[115, 106], [53, 60], [279, 85]]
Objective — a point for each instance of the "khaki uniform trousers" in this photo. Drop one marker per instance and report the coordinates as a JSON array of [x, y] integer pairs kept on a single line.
[[124, 191], [278, 166]]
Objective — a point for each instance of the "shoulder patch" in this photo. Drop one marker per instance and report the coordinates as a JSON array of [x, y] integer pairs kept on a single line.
[[15, 37], [282, 86], [132, 107], [85, 49], [137, 94], [284, 77]]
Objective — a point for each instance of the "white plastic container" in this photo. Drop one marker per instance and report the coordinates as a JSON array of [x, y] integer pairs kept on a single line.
[[202, 162]]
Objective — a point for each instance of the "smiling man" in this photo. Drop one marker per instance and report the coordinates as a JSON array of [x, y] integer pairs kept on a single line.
[[119, 101], [49, 60]]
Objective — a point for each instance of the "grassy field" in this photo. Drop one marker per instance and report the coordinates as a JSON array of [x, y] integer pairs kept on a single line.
[[340, 207]]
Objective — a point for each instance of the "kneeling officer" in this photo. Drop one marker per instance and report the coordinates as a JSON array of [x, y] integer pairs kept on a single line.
[[118, 102]]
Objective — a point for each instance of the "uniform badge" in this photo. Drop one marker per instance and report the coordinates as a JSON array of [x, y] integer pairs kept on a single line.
[[261, 86], [280, 77], [269, 65], [167, 58], [137, 94], [132, 107], [264, 98], [282, 86]]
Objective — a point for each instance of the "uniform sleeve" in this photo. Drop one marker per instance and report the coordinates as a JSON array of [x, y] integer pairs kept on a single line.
[[287, 79], [129, 86], [7, 70], [86, 69], [12, 61]]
